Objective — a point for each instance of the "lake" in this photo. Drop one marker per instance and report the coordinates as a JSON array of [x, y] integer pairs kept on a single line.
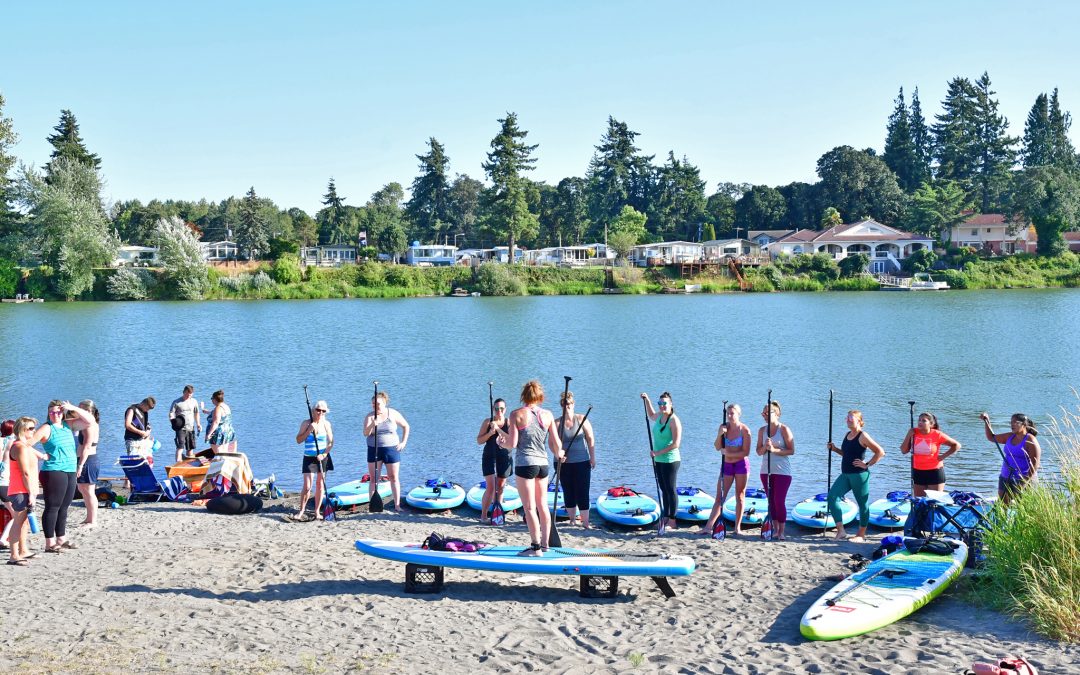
[[955, 353]]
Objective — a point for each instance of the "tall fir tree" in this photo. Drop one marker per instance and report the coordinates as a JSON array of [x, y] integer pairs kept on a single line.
[[429, 206], [252, 228], [332, 218], [921, 138], [1036, 144], [1062, 152], [8, 214], [900, 153], [618, 175], [67, 142], [679, 207], [956, 133], [995, 149], [506, 201]]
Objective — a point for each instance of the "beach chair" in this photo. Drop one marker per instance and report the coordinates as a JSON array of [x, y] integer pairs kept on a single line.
[[140, 475]]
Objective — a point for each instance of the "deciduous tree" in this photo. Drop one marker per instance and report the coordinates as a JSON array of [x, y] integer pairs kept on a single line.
[[858, 185], [1048, 197]]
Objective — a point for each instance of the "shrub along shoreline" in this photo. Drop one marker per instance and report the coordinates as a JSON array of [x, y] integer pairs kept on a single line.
[[284, 279]]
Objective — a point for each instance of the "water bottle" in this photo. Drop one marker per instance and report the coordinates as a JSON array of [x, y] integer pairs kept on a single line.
[[114, 505], [34, 526]]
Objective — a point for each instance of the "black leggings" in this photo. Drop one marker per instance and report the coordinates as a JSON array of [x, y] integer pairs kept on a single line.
[[666, 475], [575, 484], [59, 491]]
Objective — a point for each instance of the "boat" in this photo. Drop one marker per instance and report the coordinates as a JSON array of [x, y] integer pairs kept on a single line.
[[922, 281], [19, 300], [460, 292]]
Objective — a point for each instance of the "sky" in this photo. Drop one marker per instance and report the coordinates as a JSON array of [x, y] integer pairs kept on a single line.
[[206, 99]]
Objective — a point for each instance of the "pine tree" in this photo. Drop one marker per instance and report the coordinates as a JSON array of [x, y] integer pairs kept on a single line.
[[1037, 149], [68, 143], [956, 133], [1062, 152], [252, 229], [995, 150], [618, 175], [506, 200], [429, 206], [8, 215], [332, 219], [679, 207], [921, 139], [900, 153]]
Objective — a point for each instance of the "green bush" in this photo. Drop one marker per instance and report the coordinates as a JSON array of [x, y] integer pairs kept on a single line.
[[130, 284], [854, 265], [859, 283], [286, 270], [920, 261], [402, 276], [9, 278], [39, 282], [498, 279], [955, 278], [371, 274]]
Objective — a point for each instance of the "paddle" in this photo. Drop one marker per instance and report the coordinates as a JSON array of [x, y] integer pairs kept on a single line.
[[719, 530], [497, 516], [554, 540], [889, 572], [911, 446], [1013, 471], [828, 478], [766, 527], [322, 467], [375, 503], [655, 475]]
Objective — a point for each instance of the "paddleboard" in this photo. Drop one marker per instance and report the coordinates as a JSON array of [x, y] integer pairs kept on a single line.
[[892, 510], [693, 504], [511, 500], [436, 495], [356, 492], [814, 512], [631, 509], [755, 507], [561, 513], [584, 561], [882, 597]]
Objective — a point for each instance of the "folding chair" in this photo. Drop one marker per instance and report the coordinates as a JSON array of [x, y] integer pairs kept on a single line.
[[144, 484]]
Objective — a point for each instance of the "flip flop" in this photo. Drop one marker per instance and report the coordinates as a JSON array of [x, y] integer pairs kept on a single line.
[[54, 549], [71, 546], [20, 562]]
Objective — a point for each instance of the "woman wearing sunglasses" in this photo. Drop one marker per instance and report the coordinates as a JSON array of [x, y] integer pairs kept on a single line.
[[666, 437], [733, 443], [580, 461], [317, 435], [23, 488], [58, 477], [497, 463]]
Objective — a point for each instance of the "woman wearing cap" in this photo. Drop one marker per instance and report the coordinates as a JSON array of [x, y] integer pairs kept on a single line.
[[57, 438], [317, 435], [87, 470]]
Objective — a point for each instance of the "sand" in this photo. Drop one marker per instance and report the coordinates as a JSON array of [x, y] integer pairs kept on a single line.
[[170, 587]]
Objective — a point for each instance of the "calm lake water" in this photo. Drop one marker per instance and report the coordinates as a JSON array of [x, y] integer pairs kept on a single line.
[[955, 353]]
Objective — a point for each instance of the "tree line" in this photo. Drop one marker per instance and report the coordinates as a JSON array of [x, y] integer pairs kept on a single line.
[[929, 175]]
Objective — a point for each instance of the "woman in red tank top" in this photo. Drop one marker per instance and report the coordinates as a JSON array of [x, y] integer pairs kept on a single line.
[[23, 488]]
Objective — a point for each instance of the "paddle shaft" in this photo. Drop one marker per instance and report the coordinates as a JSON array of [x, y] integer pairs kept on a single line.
[[768, 462], [911, 447], [315, 436], [828, 477], [554, 540], [375, 502], [1013, 471], [652, 460]]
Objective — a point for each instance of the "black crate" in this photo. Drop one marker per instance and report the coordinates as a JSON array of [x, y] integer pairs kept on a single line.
[[599, 587], [423, 578]]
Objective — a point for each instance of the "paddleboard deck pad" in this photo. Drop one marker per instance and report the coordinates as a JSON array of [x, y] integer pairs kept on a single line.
[[511, 500], [813, 512], [693, 504], [436, 495], [755, 507]]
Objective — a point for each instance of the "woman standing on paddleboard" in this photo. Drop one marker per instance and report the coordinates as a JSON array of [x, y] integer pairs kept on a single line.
[[497, 463], [666, 436], [531, 427], [580, 461], [927, 467], [1022, 454], [781, 445], [384, 445], [854, 474], [733, 442]]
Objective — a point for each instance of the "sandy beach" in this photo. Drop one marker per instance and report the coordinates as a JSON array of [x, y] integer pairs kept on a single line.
[[170, 587]]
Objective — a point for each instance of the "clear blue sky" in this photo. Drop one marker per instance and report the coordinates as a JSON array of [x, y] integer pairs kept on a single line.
[[204, 99]]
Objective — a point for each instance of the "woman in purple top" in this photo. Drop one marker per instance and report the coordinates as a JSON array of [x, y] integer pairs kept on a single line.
[[1022, 454]]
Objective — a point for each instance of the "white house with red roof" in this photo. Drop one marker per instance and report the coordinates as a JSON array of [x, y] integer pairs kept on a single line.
[[885, 245], [992, 232]]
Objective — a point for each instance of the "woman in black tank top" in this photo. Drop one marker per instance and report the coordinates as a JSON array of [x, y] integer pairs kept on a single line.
[[497, 463], [854, 475]]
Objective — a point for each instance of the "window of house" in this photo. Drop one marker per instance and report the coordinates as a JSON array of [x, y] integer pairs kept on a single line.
[[974, 231], [988, 230]]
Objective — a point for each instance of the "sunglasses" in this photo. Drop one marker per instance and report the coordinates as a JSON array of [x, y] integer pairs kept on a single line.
[[57, 411], [29, 428], [320, 410], [500, 407], [663, 404]]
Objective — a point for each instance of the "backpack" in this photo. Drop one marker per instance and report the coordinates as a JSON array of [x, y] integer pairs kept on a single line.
[[935, 546], [437, 542], [1005, 666]]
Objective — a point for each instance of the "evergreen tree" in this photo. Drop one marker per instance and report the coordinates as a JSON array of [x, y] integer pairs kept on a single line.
[[680, 200], [720, 206], [1048, 197], [1062, 152], [8, 216], [429, 206], [803, 206], [506, 201], [996, 155], [1037, 148], [936, 209], [69, 144], [333, 218], [921, 138], [618, 175], [956, 133], [570, 212], [901, 154], [383, 219], [464, 207], [252, 229]]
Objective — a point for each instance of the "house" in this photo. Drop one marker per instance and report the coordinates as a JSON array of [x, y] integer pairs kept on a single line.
[[136, 256], [328, 255], [571, 256], [500, 254], [885, 245], [217, 251], [730, 248], [765, 237], [666, 253], [992, 232], [431, 255], [1072, 239]]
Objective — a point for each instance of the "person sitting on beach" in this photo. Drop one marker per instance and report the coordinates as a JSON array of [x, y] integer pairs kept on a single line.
[[318, 438], [776, 451], [928, 467], [733, 442], [86, 475], [7, 437], [666, 438], [854, 474], [137, 428], [1022, 455], [497, 464], [580, 461], [184, 417], [22, 488], [219, 432], [384, 444], [531, 427]]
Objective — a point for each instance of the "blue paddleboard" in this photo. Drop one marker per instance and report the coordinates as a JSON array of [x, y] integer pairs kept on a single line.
[[631, 508], [693, 504], [755, 507], [436, 495], [511, 500], [814, 512], [355, 492]]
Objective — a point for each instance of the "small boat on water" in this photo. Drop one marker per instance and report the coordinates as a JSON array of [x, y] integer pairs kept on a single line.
[[462, 293], [922, 281], [18, 300]]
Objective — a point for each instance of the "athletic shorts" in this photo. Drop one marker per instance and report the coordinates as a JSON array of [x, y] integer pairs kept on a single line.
[[89, 474], [19, 502], [532, 471], [311, 464], [740, 467], [499, 463], [185, 440], [385, 455], [1013, 484], [3, 494], [928, 476]]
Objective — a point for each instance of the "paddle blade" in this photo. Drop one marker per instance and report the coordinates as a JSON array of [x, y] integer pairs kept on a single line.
[[719, 530], [498, 515], [766, 530], [554, 540], [376, 504], [328, 511]]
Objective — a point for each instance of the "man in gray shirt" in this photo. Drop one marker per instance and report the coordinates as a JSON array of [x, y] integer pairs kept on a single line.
[[184, 418]]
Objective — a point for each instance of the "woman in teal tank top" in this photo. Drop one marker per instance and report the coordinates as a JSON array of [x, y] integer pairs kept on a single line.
[[666, 437], [58, 476]]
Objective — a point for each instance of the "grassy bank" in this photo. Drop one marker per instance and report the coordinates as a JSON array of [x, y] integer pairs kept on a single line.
[[1034, 562]]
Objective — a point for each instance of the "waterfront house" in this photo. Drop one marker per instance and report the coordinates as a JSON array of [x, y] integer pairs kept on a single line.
[[765, 237], [328, 255], [571, 256], [431, 255], [136, 256], [992, 232], [666, 253], [218, 251], [886, 246], [720, 249]]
